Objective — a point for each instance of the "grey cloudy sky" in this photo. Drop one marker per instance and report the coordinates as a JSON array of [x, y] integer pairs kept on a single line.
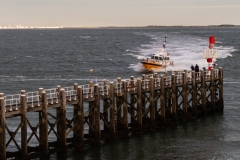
[[119, 12]]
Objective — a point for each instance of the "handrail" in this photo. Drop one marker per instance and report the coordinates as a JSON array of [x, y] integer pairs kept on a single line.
[[118, 86], [157, 81], [70, 92], [145, 84], [52, 94], [216, 73], [207, 74], [33, 96], [131, 85], [198, 76], [14, 101], [168, 80]]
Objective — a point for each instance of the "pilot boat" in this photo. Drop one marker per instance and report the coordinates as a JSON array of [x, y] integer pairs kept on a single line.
[[159, 60]]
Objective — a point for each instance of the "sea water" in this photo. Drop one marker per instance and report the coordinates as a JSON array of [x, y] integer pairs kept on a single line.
[[31, 59]]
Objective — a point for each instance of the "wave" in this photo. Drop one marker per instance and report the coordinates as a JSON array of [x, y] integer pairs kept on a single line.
[[185, 50], [85, 37]]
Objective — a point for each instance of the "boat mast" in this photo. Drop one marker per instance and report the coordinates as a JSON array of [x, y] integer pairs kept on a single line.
[[164, 46], [165, 41]]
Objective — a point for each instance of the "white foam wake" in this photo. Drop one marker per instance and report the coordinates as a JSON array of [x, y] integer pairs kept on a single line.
[[185, 50]]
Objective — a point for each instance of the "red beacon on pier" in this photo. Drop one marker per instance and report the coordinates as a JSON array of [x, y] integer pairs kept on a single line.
[[210, 53]]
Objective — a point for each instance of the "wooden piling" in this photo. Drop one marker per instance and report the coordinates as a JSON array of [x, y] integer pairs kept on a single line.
[[119, 102], [58, 90], [24, 144], [40, 90], [43, 128], [79, 121], [2, 128], [75, 87], [194, 94], [125, 108], [162, 99], [212, 88], [112, 112], [152, 103], [97, 114], [105, 109], [91, 112], [185, 95], [174, 99], [139, 105], [203, 92], [156, 96], [132, 109], [61, 125], [132, 101], [221, 89]]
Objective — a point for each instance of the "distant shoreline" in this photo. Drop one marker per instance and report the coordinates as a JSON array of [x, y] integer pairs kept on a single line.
[[179, 26], [122, 27]]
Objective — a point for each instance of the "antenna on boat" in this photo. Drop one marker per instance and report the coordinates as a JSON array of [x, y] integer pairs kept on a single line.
[[165, 41], [165, 38]]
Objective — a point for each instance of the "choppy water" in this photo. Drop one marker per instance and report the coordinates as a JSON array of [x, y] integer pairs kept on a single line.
[[31, 59]]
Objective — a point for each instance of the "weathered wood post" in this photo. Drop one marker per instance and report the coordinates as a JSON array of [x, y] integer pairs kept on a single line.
[[155, 80], [2, 128], [78, 135], [40, 90], [43, 119], [139, 105], [125, 109], [24, 143], [143, 95], [119, 101], [58, 92], [152, 104], [91, 110], [203, 92], [97, 114], [105, 107], [212, 88], [174, 99], [75, 87], [131, 86], [79, 121], [167, 99], [112, 112], [185, 96], [162, 99], [221, 88], [194, 94], [61, 125]]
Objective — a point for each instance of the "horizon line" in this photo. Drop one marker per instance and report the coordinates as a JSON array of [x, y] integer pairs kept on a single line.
[[148, 26]]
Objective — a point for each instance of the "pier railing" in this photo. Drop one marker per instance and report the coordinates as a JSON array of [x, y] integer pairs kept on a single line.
[[13, 101], [108, 109]]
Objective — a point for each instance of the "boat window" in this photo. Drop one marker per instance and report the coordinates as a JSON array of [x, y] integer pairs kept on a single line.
[[166, 58], [160, 58], [155, 57]]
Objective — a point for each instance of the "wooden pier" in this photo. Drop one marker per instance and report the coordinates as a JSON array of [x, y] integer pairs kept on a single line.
[[88, 114]]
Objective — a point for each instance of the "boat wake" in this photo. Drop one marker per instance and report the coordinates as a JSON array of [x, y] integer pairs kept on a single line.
[[185, 50]]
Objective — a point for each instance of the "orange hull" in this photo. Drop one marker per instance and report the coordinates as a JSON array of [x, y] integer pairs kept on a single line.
[[151, 65]]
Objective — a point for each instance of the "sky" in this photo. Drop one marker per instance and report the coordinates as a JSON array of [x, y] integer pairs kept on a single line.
[[119, 12]]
